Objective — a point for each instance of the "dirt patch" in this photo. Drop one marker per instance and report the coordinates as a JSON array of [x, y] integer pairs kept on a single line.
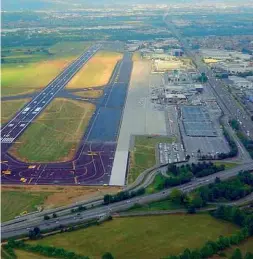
[[64, 195], [97, 71]]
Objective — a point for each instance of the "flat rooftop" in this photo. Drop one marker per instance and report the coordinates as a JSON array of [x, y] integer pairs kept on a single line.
[[197, 122]]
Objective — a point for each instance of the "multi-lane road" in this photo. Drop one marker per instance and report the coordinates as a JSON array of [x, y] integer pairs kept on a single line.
[[65, 217], [16, 126]]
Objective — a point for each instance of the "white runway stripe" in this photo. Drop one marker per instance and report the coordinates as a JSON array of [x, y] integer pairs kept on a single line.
[[7, 140]]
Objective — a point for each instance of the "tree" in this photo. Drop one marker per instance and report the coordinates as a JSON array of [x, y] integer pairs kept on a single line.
[[54, 215], [206, 251], [248, 255], [197, 201], [107, 255], [35, 233], [31, 234], [203, 78], [191, 209], [195, 254], [237, 254], [186, 254], [107, 198], [46, 217], [217, 180], [176, 195], [238, 217]]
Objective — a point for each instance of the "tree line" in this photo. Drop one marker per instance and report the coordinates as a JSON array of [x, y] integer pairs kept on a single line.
[[124, 195], [48, 251], [198, 170], [230, 190], [183, 174], [248, 143], [237, 254], [44, 250]]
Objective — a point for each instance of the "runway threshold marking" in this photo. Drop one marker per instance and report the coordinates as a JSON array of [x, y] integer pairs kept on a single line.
[[91, 153], [6, 172]]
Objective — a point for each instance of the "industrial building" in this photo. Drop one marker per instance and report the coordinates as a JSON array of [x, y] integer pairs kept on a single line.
[[241, 82], [177, 87], [224, 54], [233, 67]]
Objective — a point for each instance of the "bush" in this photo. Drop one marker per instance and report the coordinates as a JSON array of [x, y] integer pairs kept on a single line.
[[108, 198], [45, 250]]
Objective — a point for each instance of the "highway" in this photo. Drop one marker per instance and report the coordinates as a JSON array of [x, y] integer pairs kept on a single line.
[[12, 228], [16, 126]]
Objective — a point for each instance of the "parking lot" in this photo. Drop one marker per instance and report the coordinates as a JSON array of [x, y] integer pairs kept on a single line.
[[170, 153], [208, 146], [197, 122]]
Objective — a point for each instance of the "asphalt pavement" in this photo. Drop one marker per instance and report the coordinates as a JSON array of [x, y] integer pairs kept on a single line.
[[16, 126], [12, 229], [93, 161]]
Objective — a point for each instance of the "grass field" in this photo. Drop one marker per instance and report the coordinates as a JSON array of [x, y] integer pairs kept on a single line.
[[47, 196], [24, 72], [14, 202], [9, 108], [143, 156], [142, 237], [228, 165], [97, 71], [27, 255], [55, 134], [90, 93], [158, 205], [69, 48]]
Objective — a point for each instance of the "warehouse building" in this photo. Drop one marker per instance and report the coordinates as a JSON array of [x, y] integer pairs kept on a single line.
[[241, 82]]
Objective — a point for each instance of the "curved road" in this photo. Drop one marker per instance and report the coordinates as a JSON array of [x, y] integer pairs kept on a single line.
[[12, 229]]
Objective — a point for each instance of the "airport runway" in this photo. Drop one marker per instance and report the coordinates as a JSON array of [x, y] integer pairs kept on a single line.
[[93, 162], [16, 126]]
